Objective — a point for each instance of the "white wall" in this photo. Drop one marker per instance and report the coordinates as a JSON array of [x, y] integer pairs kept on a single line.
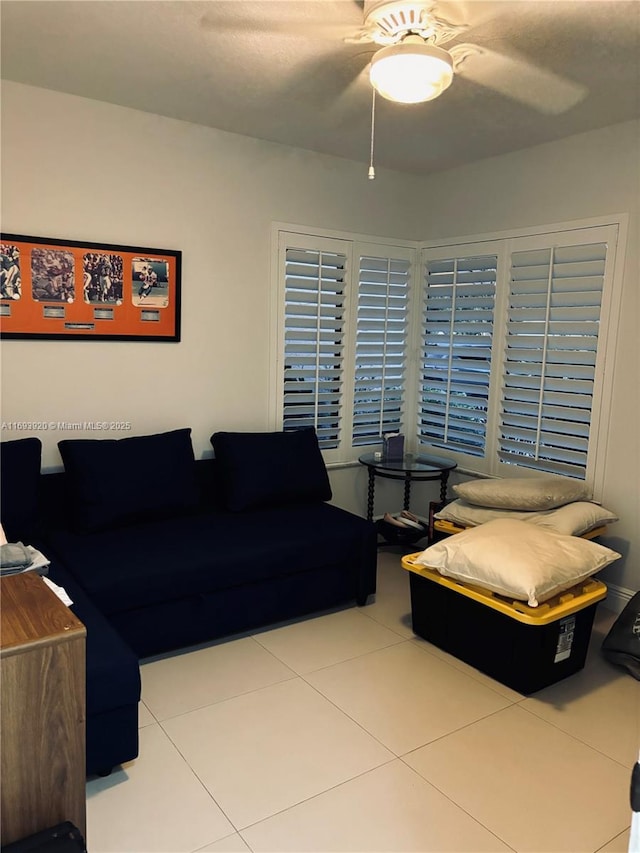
[[85, 170], [584, 176], [80, 169]]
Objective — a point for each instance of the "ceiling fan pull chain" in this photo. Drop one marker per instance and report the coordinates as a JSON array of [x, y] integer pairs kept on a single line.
[[372, 171]]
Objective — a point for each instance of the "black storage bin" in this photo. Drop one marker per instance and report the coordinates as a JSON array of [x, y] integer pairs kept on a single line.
[[63, 838], [525, 648]]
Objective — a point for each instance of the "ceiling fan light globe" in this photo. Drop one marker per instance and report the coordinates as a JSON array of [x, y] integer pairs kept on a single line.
[[411, 73]]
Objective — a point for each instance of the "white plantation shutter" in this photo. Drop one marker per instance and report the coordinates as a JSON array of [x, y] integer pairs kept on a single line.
[[502, 366], [314, 341], [380, 347], [458, 329], [551, 351]]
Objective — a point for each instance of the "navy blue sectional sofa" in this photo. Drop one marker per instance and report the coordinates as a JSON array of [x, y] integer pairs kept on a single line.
[[160, 551]]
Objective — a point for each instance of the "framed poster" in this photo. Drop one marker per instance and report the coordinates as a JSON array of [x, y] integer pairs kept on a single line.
[[68, 290]]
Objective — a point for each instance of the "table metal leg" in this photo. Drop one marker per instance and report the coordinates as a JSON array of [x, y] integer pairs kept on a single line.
[[444, 477], [371, 494], [407, 491]]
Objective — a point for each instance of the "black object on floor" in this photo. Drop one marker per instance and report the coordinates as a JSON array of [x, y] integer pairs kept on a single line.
[[62, 838], [621, 646]]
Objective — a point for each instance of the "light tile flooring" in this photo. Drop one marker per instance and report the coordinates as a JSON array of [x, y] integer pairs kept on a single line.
[[345, 732]]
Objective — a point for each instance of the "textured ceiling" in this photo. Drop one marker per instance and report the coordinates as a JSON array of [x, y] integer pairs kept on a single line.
[[282, 71]]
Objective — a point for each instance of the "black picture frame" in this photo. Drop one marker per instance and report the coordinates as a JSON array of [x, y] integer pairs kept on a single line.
[[56, 289]]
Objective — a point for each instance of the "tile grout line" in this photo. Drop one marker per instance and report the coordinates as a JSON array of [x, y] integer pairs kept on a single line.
[[393, 757], [293, 675], [319, 794], [344, 660], [577, 739], [456, 804], [612, 839], [200, 781], [377, 739], [468, 725], [421, 645]]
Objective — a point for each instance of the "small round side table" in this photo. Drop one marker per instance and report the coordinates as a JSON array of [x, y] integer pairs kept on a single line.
[[412, 468]]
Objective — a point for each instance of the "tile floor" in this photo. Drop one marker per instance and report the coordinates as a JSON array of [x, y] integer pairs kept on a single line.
[[345, 732]]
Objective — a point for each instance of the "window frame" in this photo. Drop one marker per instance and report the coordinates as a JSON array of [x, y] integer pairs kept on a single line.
[[353, 245], [513, 241], [326, 245], [466, 250], [375, 251], [609, 320]]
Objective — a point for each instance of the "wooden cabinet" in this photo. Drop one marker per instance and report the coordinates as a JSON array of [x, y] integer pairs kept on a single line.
[[42, 689]]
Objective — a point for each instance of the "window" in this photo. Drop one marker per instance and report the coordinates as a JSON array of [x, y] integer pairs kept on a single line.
[[458, 330], [314, 339], [513, 350], [498, 358], [344, 339], [549, 373], [381, 348]]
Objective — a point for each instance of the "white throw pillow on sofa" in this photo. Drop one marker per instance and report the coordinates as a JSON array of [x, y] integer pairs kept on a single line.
[[516, 559]]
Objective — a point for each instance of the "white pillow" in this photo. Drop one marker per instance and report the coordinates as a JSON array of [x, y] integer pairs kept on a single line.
[[572, 519], [516, 559], [469, 515], [523, 493]]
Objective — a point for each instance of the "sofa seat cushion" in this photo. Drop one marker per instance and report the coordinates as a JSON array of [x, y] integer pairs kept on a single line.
[[154, 562], [113, 672]]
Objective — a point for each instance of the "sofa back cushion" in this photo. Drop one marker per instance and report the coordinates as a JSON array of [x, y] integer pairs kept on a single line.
[[19, 477], [120, 481], [270, 468]]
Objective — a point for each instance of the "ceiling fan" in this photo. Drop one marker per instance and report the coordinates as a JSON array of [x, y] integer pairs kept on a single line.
[[409, 35], [407, 62], [411, 66], [387, 22]]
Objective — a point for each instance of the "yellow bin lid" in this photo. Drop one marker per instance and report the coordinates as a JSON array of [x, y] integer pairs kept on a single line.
[[443, 525], [576, 598]]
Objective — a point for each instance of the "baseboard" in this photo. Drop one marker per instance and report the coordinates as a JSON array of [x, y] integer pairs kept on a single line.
[[617, 597]]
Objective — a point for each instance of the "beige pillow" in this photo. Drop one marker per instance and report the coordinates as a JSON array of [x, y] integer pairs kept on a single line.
[[572, 519], [523, 493], [516, 559], [469, 515]]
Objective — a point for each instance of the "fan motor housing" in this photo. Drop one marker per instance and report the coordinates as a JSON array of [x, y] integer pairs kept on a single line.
[[397, 18]]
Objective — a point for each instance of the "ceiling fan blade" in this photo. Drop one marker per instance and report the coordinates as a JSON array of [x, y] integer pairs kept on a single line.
[[328, 80], [329, 19], [517, 79], [365, 35], [359, 82], [319, 29]]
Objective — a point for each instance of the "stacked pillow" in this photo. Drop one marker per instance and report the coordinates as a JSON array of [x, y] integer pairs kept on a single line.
[[561, 505], [523, 540], [516, 559], [530, 494]]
